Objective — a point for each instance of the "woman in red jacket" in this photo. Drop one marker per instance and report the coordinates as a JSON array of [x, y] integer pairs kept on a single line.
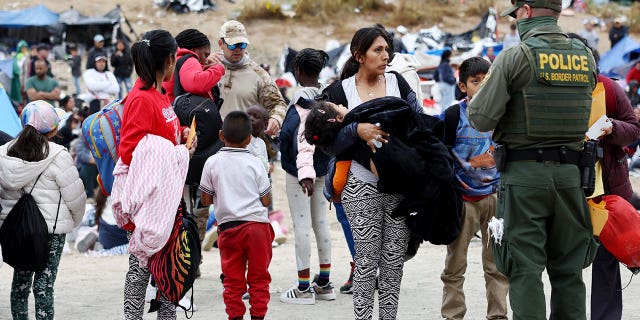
[[148, 111]]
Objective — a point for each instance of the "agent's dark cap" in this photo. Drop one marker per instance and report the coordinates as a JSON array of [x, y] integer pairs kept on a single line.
[[555, 5]]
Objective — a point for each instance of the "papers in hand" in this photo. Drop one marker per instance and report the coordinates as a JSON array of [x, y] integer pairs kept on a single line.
[[595, 130]]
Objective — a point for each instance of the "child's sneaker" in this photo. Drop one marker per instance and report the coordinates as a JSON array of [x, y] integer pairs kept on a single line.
[[209, 238], [325, 292], [347, 287], [295, 296], [186, 303], [150, 293]]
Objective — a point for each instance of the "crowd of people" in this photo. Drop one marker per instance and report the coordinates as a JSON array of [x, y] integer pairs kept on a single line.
[[362, 142]]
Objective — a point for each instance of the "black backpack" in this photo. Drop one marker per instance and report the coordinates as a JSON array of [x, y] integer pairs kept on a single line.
[[24, 235], [208, 122]]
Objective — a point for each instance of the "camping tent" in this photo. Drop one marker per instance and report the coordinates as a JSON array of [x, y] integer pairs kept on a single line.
[[31, 24], [81, 29], [6, 73], [39, 24], [9, 122], [617, 61]]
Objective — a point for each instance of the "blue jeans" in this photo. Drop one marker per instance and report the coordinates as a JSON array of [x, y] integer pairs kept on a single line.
[[346, 228], [127, 84], [111, 236], [76, 83]]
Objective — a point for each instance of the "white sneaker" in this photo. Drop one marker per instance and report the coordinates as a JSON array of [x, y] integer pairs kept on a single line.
[[280, 238], [324, 293], [150, 294], [295, 296], [186, 303], [87, 237], [209, 238]]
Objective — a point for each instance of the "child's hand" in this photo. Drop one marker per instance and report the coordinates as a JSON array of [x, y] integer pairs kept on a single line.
[[193, 147], [307, 186]]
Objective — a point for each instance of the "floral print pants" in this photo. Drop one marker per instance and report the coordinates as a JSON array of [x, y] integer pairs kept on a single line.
[[42, 285]]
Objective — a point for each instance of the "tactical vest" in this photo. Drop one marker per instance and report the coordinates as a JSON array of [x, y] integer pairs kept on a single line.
[[556, 102]]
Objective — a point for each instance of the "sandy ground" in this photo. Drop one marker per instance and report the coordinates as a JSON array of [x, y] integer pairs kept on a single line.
[[91, 288]]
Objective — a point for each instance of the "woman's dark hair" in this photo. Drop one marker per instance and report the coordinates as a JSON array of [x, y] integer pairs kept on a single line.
[[125, 43], [30, 146], [446, 55], [310, 61], [150, 53], [191, 39], [321, 126], [360, 44], [101, 202], [472, 67], [63, 102]]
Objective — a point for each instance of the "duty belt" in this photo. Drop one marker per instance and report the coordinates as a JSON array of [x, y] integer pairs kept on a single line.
[[557, 154]]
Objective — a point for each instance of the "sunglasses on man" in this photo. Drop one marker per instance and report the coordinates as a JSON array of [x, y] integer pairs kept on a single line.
[[241, 45]]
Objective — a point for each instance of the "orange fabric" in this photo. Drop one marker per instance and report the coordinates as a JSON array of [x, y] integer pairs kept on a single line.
[[621, 233], [340, 177]]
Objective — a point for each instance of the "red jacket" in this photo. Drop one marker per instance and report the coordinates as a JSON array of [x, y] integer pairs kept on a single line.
[[634, 74], [146, 112], [626, 129], [194, 78]]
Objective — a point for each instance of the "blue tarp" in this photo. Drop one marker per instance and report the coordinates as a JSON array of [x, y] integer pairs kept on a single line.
[[615, 61], [29, 17], [9, 121]]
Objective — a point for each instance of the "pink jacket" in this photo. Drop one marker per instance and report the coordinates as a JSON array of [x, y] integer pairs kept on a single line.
[[194, 77], [148, 192], [304, 160]]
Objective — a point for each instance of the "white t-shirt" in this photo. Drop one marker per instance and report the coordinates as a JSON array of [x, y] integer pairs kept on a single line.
[[236, 180], [258, 149], [353, 99]]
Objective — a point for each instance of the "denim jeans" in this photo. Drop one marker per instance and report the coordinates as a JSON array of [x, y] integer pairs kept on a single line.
[[76, 83], [127, 84]]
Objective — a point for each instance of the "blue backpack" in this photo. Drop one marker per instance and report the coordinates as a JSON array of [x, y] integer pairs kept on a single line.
[[101, 132]]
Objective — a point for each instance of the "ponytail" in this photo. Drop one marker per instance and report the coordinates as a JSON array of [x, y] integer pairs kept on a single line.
[[150, 54], [30, 146], [350, 68]]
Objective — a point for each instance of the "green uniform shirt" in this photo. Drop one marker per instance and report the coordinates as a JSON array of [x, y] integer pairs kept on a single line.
[[508, 75], [46, 85]]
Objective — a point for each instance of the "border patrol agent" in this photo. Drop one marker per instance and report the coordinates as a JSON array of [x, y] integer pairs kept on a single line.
[[537, 99]]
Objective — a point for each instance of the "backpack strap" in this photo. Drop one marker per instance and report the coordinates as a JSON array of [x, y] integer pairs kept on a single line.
[[177, 87], [34, 184], [451, 120], [403, 85], [55, 224]]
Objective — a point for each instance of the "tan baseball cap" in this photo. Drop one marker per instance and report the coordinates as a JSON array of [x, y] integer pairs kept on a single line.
[[233, 32], [555, 5]]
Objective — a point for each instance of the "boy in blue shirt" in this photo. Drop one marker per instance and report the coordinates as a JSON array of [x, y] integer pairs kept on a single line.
[[477, 179]]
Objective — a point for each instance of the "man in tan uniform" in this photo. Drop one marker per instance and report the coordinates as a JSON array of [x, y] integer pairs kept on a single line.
[[245, 83]]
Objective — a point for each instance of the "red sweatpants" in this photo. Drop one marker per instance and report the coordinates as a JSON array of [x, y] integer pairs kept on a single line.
[[246, 247]]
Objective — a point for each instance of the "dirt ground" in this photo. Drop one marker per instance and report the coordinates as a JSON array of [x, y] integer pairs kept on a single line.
[[91, 287]]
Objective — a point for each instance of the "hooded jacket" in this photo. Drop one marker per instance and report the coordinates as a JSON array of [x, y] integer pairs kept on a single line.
[[626, 129], [59, 178], [193, 78]]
